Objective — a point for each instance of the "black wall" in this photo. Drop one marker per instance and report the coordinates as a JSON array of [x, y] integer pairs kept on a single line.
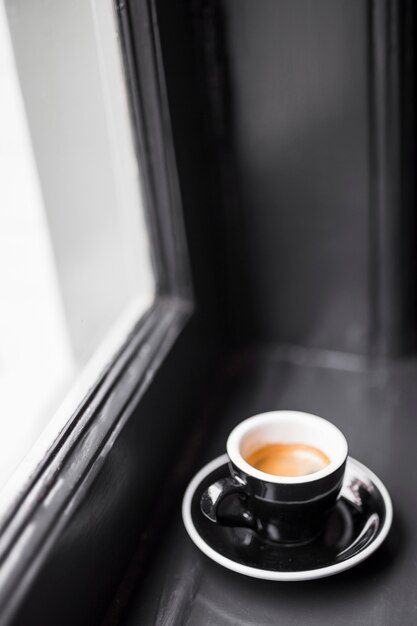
[[309, 149], [298, 72]]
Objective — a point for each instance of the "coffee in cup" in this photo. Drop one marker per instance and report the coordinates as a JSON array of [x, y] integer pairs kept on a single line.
[[288, 459], [286, 470]]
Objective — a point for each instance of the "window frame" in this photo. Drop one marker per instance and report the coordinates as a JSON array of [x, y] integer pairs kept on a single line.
[[31, 531]]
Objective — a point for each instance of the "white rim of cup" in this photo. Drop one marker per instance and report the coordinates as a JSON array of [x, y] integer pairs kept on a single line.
[[263, 419]]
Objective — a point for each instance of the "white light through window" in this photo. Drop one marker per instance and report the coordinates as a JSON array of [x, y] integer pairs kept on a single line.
[[75, 270]]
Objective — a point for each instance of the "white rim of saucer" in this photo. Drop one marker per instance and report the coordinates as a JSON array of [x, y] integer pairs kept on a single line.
[[254, 572]]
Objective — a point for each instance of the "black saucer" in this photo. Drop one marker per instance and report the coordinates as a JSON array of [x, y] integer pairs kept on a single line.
[[357, 527]]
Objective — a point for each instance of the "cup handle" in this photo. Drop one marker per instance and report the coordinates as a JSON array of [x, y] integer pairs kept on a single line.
[[216, 493]]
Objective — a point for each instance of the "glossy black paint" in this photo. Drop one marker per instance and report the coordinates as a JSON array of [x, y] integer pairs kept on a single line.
[[375, 406], [256, 228], [67, 541], [85, 537], [311, 138], [300, 134], [348, 531], [362, 300], [285, 513]]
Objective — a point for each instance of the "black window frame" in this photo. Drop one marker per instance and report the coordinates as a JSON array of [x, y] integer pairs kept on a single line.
[[44, 511]]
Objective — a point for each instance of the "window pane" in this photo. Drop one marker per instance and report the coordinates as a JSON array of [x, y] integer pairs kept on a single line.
[[75, 270]]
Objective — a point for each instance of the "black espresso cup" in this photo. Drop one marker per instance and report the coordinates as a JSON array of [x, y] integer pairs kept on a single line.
[[287, 509]]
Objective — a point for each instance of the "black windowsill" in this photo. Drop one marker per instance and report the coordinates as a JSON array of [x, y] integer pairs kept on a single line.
[[374, 404]]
